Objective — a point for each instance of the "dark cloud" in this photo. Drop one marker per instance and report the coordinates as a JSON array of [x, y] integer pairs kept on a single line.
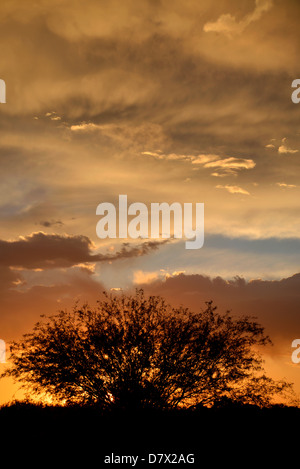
[[21, 309], [275, 303], [9, 278], [48, 251], [49, 224]]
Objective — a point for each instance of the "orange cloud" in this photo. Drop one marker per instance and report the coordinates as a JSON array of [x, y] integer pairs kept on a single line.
[[229, 25], [233, 189]]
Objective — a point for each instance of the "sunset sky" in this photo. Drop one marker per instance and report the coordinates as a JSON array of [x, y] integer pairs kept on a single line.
[[165, 101]]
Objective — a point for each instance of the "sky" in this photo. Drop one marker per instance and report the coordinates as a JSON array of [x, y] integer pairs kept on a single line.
[[164, 101]]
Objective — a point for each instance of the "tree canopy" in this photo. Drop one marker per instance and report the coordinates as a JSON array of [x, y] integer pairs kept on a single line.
[[133, 351]]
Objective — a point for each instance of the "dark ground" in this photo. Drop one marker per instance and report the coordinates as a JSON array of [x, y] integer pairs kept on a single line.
[[237, 436]]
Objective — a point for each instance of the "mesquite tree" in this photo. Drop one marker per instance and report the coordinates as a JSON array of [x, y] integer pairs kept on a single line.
[[136, 351]]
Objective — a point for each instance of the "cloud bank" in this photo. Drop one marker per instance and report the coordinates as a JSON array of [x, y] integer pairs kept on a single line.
[[228, 24], [48, 251]]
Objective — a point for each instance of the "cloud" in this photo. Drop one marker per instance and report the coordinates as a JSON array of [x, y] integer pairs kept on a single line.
[[234, 189], [9, 278], [124, 134], [140, 277], [52, 115], [157, 154], [85, 127], [228, 24], [229, 165], [283, 149], [204, 159], [135, 251], [274, 302], [286, 186], [21, 307], [171, 156], [48, 223], [218, 175], [48, 251]]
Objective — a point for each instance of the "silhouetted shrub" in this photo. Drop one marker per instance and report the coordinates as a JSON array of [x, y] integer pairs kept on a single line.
[[137, 352]]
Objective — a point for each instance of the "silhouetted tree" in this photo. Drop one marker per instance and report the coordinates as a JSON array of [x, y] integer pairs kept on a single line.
[[133, 351]]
